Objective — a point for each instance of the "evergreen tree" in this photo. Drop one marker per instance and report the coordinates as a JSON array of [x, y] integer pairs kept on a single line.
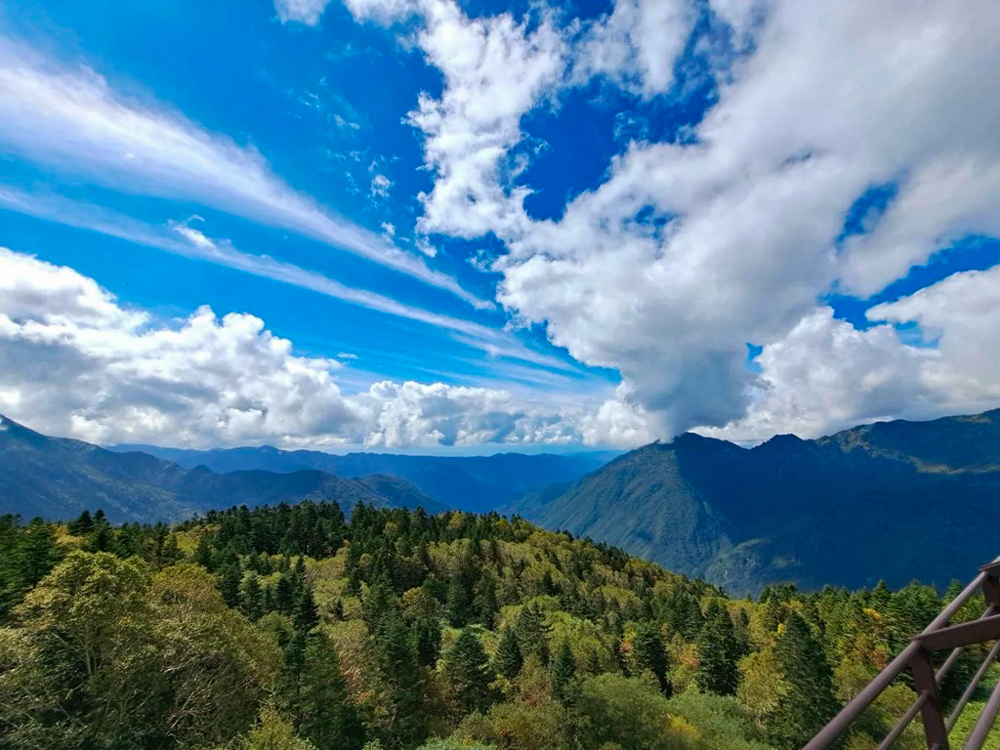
[[563, 671], [305, 617], [459, 604], [203, 554], [230, 579], [718, 652], [251, 597], [650, 653], [427, 635], [532, 632], [508, 659], [284, 595], [323, 711], [83, 525], [394, 654], [469, 673], [809, 702]]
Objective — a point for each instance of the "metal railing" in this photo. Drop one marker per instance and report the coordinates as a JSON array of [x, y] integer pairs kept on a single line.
[[917, 657]]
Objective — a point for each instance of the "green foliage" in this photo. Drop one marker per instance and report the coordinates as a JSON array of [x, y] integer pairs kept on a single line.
[[290, 627], [469, 673], [718, 652], [808, 702]]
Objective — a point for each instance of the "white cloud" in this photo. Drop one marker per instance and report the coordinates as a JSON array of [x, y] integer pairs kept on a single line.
[[72, 121], [754, 206], [826, 375], [300, 11], [198, 246], [636, 45], [73, 361]]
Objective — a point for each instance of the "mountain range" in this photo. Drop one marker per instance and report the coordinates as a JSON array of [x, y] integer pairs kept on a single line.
[[57, 478], [892, 500], [477, 484]]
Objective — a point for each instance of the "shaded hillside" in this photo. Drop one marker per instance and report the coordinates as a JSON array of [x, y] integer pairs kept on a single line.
[[58, 477], [472, 483], [897, 500]]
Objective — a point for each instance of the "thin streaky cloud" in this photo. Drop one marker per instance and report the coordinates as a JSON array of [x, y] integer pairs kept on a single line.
[[73, 121], [181, 239]]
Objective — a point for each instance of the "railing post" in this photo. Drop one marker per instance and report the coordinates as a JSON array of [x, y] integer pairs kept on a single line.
[[991, 590], [931, 712]]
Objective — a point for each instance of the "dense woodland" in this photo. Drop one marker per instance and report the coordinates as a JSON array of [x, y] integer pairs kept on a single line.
[[292, 627]]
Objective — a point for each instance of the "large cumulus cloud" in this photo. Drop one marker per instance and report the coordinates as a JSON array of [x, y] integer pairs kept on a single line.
[[687, 251], [74, 361]]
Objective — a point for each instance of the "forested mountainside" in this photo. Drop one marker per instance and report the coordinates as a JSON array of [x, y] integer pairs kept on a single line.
[[911, 499], [59, 477], [292, 628], [472, 483]]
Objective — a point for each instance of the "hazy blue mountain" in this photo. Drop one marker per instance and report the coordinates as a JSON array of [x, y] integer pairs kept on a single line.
[[56, 478], [895, 500], [472, 483]]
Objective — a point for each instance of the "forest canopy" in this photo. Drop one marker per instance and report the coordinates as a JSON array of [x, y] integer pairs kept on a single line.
[[294, 627]]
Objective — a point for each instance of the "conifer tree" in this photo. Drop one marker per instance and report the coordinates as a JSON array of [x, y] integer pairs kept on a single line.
[[323, 711], [533, 632], [469, 673], [650, 653], [809, 702], [508, 659], [718, 652], [427, 635], [305, 616], [563, 671], [251, 597], [230, 579], [284, 595]]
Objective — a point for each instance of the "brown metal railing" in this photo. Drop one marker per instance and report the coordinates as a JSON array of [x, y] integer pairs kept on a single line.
[[917, 657]]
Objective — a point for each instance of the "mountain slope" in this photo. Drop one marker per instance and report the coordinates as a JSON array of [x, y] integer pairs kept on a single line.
[[58, 477], [896, 500], [471, 483]]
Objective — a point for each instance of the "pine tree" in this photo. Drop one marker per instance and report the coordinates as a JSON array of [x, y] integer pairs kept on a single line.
[[230, 579], [508, 658], [323, 711], [427, 635], [251, 597], [532, 632], [83, 525], [650, 653], [469, 673], [809, 702], [203, 554], [563, 671], [394, 654], [459, 602], [305, 616], [718, 652], [284, 595]]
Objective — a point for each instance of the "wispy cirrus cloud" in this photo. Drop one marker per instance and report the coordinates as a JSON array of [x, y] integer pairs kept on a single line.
[[180, 238], [70, 120]]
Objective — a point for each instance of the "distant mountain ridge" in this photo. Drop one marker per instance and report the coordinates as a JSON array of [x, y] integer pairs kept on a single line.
[[476, 484], [895, 500], [56, 478]]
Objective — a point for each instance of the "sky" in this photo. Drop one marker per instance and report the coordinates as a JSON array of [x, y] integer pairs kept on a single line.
[[479, 226]]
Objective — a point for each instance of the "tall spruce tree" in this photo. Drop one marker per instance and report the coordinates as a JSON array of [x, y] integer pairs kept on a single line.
[[323, 711], [508, 659], [718, 652], [563, 671], [469, 673], [651, 654], [809, 702]]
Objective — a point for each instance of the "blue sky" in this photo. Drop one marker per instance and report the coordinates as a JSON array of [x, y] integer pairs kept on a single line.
[[487, 225]]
